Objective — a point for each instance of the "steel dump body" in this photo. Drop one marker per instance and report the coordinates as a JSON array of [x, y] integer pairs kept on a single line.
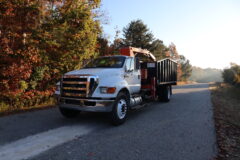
[[164, 72]]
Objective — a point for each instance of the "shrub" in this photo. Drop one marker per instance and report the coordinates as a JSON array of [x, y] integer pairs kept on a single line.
[[232, 75]]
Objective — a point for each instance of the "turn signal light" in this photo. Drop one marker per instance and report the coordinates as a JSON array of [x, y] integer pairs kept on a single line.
[[109, 90]]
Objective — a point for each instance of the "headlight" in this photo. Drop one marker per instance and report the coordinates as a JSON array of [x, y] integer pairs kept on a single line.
[[107, 90], [57, 87]]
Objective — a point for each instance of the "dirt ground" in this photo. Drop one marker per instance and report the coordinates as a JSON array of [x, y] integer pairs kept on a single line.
[[226, 103]]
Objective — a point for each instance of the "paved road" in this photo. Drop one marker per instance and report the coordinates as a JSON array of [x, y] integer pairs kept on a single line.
[[182, 129]]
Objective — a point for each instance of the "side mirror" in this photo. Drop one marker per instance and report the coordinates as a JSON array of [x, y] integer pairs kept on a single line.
[[127, 69], [137, 63]]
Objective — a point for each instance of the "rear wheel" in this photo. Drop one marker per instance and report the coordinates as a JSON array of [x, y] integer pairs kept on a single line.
[[68, 113], [120, 109], [164, 93]]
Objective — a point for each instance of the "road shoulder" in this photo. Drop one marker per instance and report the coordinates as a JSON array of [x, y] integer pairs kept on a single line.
[[226, 103]]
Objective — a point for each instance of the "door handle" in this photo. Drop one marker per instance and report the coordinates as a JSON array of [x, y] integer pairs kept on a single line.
[[126, 76]]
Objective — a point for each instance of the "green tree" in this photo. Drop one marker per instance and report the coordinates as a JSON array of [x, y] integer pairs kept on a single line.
[[103, 46], [232, 75], [69, 34], [186, 68], [158, 49], [137, 34]]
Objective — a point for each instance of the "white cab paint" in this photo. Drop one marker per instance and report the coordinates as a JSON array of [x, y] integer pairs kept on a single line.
[[113, 77]]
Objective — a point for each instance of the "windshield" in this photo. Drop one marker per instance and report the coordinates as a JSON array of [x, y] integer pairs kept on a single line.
[[106, 62]]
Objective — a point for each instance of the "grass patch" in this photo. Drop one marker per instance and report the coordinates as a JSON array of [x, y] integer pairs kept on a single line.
[[5, 109], [226, 103]]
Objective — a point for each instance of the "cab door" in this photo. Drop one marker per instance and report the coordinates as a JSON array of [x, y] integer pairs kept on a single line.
[[132, 75]]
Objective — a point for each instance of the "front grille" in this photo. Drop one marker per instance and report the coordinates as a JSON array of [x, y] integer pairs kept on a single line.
[[74, 85], [78, 86], [75, 79]]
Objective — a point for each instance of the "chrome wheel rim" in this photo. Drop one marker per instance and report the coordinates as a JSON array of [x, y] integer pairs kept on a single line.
[[121, 108]]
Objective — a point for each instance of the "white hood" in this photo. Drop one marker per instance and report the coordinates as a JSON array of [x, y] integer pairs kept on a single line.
[[100, 72]]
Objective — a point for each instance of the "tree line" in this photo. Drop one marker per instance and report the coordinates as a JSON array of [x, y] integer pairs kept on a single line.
[[206, 75], [42, 40], [137, 34], [229, 75]]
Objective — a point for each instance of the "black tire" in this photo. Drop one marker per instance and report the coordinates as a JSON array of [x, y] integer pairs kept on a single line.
[[164, 93], [160, 94], [68, 113], [120, 109]]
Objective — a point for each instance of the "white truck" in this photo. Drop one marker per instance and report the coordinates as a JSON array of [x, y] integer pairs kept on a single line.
[[117, 84]]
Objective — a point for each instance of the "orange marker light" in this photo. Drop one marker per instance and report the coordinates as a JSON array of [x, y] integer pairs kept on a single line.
[[111, 90], [107, 90]]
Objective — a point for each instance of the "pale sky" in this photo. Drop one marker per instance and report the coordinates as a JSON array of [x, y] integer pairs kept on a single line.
[[207, 32]]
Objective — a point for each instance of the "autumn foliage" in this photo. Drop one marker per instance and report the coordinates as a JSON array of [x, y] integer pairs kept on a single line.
[[40, 40]]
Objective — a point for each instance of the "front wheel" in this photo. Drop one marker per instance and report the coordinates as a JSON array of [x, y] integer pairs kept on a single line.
[[120, 109]]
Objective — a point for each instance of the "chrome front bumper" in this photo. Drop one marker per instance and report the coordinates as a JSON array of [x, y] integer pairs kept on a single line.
[[89, 105]]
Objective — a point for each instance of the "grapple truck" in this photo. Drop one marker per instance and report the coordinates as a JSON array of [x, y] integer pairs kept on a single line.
[[117, 84]]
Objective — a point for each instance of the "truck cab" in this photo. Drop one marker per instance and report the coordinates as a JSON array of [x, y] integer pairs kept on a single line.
[[113, 84]]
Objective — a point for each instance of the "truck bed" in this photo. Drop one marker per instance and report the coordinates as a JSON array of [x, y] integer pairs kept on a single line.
[[164, 71]]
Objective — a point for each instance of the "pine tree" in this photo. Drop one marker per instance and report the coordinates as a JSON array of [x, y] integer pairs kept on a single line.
[[136, 34], [186, 68], [158, 49]]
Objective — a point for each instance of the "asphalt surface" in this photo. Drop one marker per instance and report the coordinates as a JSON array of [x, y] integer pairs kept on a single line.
[[182, 129]]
